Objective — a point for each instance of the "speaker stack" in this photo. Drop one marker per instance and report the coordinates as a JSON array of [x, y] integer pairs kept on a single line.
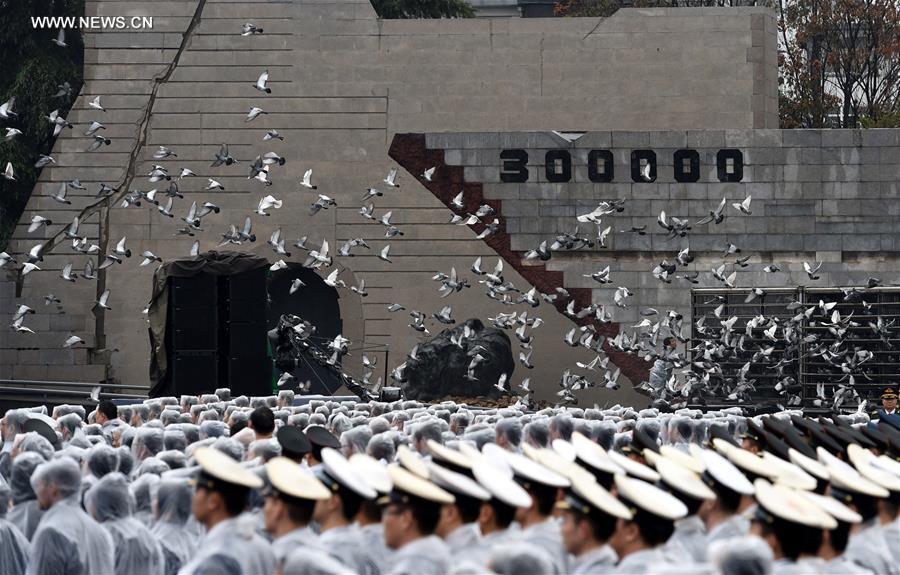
[[192, 334], [242, 312], [216, 334]]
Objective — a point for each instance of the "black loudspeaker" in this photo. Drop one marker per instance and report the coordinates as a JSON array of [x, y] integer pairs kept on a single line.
[[193, 329], [216, 334], [193, 322], [194, 372], [245, 286], [199, 291], [250, 376], [246, 339], [242, 318]]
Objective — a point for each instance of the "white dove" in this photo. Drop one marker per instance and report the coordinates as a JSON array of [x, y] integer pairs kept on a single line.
[[268, 202]]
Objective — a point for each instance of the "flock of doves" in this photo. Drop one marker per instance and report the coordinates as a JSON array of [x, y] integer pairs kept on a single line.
[[703, 374]]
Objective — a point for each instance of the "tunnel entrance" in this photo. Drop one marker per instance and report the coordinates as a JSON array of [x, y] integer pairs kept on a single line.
[[317, 303]]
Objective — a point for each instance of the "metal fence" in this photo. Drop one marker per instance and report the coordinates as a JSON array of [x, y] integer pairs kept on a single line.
[[804, 362]]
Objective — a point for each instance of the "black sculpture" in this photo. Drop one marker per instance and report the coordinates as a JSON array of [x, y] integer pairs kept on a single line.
[[441, 365]]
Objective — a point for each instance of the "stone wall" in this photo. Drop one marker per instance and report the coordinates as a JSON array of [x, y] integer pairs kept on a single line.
[[828, 196], [343, 83]]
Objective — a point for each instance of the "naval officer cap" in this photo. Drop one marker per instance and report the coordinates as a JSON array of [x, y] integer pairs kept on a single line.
[[218, 468], [755, 432], [847, 484], [551, 459], [640, 442], [633, 468], [450, 458], [879, 438], [749, 463], [833, 507], [591, 456], [373, 471], [412, 462], [644, 499], [788, 474], [336, 472], [677, 456], [808, 464], [589, 498], [291, 481], [320, 437], [529, 471], [682, 480], [777, 502], [293, 441], [500, 485], [887, 464], [721, 473], [796, 442], [410, 489], [865, 463], [721, 433], [458, 484]]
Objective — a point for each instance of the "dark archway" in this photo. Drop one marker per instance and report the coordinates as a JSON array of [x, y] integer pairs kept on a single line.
[[317, 303]]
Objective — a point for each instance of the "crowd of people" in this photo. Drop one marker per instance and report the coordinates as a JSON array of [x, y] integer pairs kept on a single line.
[[256, 486]]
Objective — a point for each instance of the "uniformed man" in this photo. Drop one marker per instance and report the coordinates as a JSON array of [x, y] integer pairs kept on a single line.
[[791, 525], [831, 559], [497, 514], [721, 515], [370, 512], [888, 403], [539, 528], [867, 545], [589, 517], [222, 488], [871, 468], [290, 500], [637, 541], [340, 536], [688, 542], [411, 515], [458, 525]]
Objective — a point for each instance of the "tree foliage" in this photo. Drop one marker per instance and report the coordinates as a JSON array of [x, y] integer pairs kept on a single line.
[[394, 9], [31, 69], [839, 62]]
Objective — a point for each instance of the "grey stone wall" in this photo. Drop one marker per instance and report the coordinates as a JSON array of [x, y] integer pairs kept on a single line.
[[827, 196], [343, 82]]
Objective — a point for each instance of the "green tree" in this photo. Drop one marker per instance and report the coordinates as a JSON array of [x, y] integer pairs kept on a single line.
[[394, 9], [839, 63], [32, 68]]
